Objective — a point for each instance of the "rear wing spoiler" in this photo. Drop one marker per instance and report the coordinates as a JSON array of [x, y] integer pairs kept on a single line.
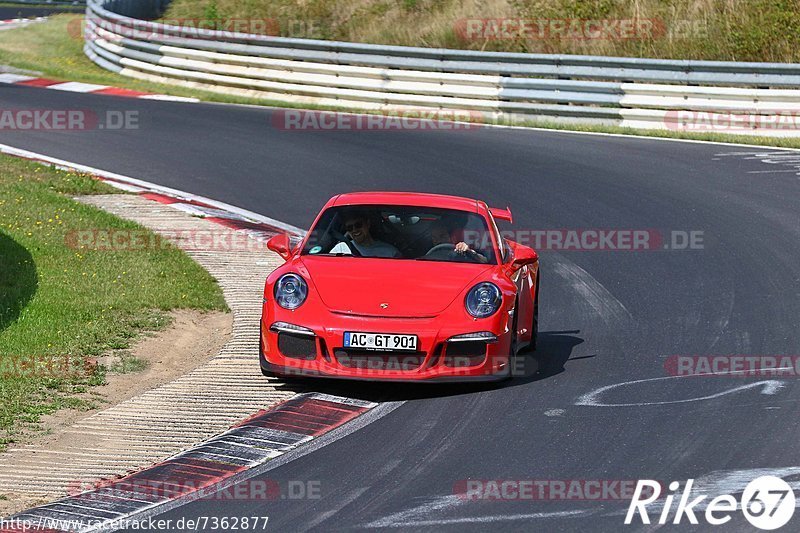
[[501, 214]]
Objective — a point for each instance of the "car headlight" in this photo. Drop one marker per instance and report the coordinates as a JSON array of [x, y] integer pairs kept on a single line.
[[291, 291], [483, 300]]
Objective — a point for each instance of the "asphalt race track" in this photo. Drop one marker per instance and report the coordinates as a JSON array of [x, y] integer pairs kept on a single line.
[[607, 317]]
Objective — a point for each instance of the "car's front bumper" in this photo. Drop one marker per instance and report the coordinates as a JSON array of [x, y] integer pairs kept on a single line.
[[438, 357], [268, 369]]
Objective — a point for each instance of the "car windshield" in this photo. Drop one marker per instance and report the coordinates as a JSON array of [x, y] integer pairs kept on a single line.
[[402, 232]]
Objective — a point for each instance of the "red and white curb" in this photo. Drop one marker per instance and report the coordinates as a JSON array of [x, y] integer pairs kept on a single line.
[[88, 88], [197, 472], [9, 23], [256, 226]]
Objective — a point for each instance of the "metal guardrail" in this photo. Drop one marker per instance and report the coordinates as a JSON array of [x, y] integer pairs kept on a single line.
[[646, 93]]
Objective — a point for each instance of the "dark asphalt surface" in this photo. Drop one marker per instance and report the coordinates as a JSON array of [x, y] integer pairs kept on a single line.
[[607, 317]]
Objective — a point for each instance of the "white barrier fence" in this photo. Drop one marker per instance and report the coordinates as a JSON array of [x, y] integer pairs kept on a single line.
[[700, 96]]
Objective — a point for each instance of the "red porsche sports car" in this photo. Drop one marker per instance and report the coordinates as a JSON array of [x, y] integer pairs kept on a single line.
[[400, 286]]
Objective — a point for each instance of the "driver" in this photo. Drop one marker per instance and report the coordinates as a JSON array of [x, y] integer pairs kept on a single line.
[[441, 235], [357, 228]]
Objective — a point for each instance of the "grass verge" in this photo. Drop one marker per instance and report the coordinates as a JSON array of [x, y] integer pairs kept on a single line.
[[722, 30], [52, 49], [60, 307]]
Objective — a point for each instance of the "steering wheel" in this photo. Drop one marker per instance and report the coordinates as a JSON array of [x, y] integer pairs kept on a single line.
[[447, 251], [442, 251]]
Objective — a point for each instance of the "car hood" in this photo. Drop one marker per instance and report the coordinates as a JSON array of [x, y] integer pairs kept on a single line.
[[389, 287]]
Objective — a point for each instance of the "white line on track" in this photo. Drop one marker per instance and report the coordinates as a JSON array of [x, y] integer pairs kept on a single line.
[[591, 399]]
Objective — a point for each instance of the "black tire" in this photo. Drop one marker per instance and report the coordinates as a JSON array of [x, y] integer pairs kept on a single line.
[[266, 373], [512, 357], [535, 325]]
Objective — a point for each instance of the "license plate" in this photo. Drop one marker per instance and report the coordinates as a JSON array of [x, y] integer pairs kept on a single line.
[[380, 341]]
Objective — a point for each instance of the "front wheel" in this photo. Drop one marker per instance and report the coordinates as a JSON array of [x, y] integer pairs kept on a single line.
[[535, 325]]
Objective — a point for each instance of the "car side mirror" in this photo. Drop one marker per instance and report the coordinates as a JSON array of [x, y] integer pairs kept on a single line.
[[280, 245], [522, 256]]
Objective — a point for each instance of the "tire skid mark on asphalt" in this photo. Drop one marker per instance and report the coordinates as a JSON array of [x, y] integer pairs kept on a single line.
[[607, 306], [420, 511], [204, 469], [487, 519], [421, 515]]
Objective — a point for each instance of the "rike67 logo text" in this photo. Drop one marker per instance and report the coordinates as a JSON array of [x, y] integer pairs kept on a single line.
[[767, 502]]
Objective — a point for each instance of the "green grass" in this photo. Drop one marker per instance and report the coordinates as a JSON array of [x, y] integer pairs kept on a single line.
[[779, 142], [127, 363], [751, 30], [50, 48], [61, 305]]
